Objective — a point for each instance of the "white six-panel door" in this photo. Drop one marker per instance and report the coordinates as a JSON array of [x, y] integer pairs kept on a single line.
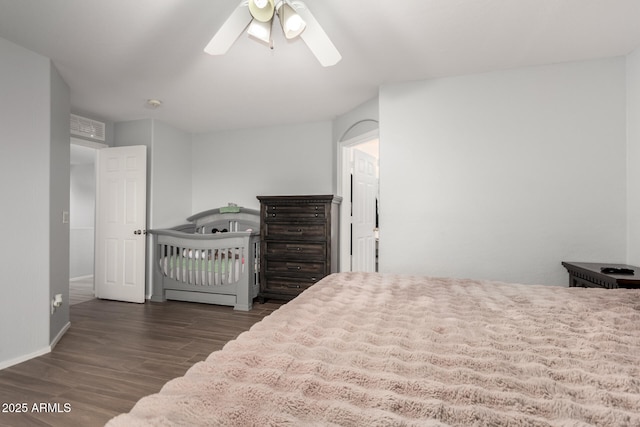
[[121, 187], [365, 190]]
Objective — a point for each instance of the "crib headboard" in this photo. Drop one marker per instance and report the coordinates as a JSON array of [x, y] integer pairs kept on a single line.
[[229, 218]]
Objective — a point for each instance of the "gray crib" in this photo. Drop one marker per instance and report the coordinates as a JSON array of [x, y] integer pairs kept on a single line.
[[213, 259]]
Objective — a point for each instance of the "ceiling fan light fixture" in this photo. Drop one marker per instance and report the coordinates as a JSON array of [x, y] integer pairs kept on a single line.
[[260, 30], [292, 24], [262, 10], [295, 19]]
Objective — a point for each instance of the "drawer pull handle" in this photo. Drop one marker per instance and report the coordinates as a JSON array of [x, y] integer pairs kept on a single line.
[[316, 215], [273, 215], [294, 268], [297, 230], [298, 249], [293, 286]]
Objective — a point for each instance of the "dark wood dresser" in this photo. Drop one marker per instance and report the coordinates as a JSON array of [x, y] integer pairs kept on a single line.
[[590, 275], [298, 243]]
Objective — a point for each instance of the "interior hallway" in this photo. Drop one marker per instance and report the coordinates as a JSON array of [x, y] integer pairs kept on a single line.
[[81, 290]]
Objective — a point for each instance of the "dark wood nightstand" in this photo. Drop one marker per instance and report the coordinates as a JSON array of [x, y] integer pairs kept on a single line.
[[589, 275]]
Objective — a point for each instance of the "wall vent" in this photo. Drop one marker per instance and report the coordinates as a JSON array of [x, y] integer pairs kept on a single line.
[[87, 128]]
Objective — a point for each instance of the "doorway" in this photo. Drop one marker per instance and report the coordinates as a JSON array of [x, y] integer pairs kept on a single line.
[[358, 181], [107, 206], [82, 219]]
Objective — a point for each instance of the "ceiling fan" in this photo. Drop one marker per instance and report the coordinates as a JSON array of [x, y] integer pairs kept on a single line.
[[258, 16]]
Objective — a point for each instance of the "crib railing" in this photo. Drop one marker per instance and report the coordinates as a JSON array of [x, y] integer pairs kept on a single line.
[[223, 263], [203, 267]]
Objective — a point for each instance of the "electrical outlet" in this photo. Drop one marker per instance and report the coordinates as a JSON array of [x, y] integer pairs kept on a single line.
[[56, 302], [65, 217]]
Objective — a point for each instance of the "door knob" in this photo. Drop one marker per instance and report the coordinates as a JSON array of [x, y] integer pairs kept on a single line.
[[137, 232]]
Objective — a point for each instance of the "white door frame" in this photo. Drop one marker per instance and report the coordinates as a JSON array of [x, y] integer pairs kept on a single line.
[[344, 190], [95, 146], [89, 144]]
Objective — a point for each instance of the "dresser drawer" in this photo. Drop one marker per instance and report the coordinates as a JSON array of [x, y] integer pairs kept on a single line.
[[296, 250], [294, 212], [295, 231], [287, 285], [297, 247], [296, 267]]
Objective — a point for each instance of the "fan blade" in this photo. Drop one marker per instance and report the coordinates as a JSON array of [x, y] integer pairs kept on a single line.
[[230, 30], [315, 37]]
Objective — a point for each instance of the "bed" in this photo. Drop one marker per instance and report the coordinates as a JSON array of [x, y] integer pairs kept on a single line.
[[365, 349], [213, 259]]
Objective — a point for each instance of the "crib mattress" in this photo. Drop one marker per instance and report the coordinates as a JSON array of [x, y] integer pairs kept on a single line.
[[202, 271]]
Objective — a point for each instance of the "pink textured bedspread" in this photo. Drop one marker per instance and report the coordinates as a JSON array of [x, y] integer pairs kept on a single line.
[[362, 349]]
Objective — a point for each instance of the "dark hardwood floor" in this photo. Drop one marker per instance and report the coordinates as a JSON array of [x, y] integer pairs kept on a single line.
[[114, 354]]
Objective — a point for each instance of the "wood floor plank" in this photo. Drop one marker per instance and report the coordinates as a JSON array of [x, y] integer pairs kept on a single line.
[[114, 354]]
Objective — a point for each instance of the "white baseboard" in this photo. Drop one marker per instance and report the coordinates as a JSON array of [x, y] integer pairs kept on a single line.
[[75, 279], [38, 353], [59, 336], [24, 358]]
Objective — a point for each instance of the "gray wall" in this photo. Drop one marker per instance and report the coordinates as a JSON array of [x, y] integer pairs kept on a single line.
[[82, 224], [170, 176], [34, 100], [362, 119], [59, 201], [504, 175], [633, 159], [237, 166]]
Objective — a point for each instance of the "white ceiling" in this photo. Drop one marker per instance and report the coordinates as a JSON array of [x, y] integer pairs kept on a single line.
[[116, 54]]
